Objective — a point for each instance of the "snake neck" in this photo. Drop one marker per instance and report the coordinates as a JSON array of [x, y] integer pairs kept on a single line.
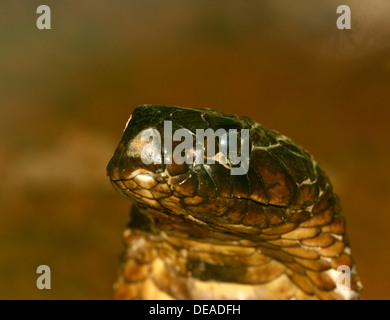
[[167, 259]]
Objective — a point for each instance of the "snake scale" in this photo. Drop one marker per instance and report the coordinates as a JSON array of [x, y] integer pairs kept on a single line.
[[198, 232]]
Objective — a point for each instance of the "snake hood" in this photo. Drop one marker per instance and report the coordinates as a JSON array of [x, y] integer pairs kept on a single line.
[[282, 206]]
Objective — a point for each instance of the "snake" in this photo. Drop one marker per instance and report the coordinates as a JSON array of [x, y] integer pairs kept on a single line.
[[197, 231]]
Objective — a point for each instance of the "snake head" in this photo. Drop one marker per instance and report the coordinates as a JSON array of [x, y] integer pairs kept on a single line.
[[281, 182], [147, 162]]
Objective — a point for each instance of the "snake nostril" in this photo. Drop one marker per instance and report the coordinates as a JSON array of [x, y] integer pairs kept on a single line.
[[125, 172]]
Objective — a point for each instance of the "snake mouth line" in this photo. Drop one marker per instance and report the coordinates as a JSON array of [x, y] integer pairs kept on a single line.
[[121, 185], [161, 196]]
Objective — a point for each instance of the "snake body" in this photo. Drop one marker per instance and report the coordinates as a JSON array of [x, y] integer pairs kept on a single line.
[[198, 232]]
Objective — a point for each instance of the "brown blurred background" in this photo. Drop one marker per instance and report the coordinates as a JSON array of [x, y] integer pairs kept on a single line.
[[66, 94]]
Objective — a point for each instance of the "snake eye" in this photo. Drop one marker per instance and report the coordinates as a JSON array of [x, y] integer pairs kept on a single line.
[[179, 160], [175, 169]]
